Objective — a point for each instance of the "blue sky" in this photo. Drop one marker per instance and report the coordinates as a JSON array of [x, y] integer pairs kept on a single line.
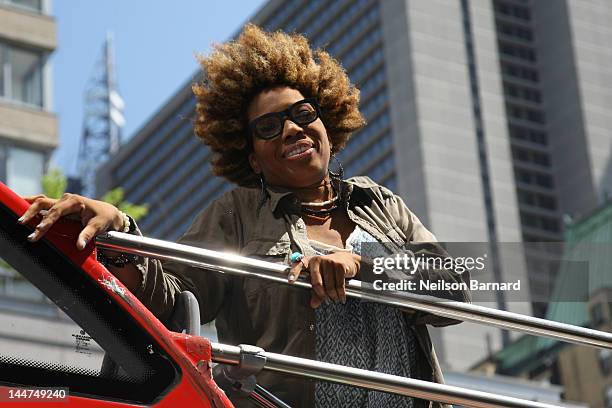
[[155, 43]]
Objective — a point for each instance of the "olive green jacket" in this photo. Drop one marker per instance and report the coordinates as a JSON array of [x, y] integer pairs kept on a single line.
[[274, 316]]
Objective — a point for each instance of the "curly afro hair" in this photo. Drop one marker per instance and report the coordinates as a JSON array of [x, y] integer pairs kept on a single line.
[[236, 71]]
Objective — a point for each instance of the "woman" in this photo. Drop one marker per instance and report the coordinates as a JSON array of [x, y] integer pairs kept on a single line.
[[274, 113]]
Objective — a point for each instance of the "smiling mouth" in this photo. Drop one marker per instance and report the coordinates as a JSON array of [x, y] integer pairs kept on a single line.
[[299, 151]]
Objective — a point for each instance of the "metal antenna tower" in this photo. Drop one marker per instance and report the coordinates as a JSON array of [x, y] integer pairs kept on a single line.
[[102, 121]]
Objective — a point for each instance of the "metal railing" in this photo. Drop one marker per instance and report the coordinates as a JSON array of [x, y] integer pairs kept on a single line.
[[356, 377], [231, 264], [236, 265]]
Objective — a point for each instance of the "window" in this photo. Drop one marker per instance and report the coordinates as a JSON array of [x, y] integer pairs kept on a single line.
[[538, 137], [597, 314], [26, 84], [528, 94], [605, 361], [526, 197], [522, 13], [21, 75], [517, 51], [532, 95], [519, 133], [32, 5], [523, 176], [3, 67], [516, 31], [529, 156], [541, 158], [539, 200], [511, 90], [24, 170], [544, 180], [516, 11], [547, 202], [608, 397], [535, 116], [530, 115], [528, 219], [521, 154], [550, 224], [540, 222], [520, 72], [531, 135], [529, 198]]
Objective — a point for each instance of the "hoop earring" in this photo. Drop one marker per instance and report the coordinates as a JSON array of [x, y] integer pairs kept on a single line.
[[264, 192], [339, 176]]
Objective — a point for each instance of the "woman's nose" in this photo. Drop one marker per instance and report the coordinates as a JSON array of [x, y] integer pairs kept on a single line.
[[290, 129]]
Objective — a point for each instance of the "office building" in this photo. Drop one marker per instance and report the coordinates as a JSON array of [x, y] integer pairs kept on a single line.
[[489, 117], [32, 326], [579, 299], [28, 128]]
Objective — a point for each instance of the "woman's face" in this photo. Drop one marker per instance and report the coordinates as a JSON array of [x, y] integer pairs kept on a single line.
[[278, 159]]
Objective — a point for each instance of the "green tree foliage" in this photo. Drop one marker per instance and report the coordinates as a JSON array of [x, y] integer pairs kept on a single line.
[[115, 197], [54, 185]]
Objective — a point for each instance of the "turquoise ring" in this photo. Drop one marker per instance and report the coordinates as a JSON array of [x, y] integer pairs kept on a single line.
[[296, 257]]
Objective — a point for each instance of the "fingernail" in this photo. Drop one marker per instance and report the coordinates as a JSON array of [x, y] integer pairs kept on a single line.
[[291, 278], [31, 236], [327, 302], [81, 243], [20, 219], [344, 301]]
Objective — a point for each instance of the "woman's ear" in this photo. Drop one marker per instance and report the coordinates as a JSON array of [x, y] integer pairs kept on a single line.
[[254, 163]]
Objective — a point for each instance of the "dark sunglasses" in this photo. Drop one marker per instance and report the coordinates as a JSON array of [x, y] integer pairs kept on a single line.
[[271, 124]]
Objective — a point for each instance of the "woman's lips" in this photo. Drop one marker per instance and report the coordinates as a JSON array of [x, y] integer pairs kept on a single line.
[[301, 155]]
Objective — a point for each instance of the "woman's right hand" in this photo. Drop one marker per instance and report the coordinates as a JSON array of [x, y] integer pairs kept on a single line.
[[328, 275], [95, 216]]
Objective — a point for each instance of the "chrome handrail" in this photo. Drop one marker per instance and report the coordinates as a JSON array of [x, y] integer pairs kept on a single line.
[[231, 264], [394, 384]]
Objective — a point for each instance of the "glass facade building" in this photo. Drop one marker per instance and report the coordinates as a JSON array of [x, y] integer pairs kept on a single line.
[[467, 121]]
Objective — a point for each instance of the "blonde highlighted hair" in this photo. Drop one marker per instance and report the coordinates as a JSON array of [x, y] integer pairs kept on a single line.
[[238, 70]]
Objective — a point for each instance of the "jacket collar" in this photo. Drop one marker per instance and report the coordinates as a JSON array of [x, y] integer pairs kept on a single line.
[[278, 195]]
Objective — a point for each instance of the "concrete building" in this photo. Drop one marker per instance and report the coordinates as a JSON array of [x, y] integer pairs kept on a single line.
[[466, 121], [539, 391], [32, 327], [585, 373], [28, 128]]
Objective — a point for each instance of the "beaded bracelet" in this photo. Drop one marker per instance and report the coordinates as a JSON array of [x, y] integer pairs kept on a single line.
[[118, 261]]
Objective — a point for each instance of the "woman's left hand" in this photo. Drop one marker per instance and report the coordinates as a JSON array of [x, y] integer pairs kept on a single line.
[[328, 274]]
